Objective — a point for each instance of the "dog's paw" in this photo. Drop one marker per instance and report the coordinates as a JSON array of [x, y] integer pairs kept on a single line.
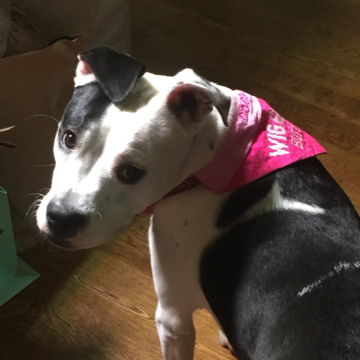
[[224, 342]]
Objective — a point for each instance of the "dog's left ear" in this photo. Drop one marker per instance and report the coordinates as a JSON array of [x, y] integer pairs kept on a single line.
[[116, 73], [190, 101]]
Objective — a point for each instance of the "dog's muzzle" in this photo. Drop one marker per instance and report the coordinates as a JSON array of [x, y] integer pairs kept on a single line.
[[64, 221]]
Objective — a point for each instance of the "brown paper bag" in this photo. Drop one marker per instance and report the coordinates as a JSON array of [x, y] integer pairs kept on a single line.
[[101, 22], [34, 90]]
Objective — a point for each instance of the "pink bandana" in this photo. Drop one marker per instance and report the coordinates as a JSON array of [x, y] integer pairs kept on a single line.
[[259, 142]]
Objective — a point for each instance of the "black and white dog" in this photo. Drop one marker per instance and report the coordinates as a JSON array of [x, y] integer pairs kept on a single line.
[[276, 261]]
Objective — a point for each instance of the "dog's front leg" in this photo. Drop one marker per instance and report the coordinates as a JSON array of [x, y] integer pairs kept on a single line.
[[176, 333], [180, 229]]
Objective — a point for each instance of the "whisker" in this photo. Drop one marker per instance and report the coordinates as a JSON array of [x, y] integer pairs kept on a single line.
[[140, 153], [38, 193], [99, 215], [40, 165], [33, 208], [6, 129], [34, 194], [43, 115]]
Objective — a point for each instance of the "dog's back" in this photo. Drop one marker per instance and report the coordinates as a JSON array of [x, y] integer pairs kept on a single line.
[[284, 277]]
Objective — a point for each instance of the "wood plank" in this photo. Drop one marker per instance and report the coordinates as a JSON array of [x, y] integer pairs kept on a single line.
[[302, 57]]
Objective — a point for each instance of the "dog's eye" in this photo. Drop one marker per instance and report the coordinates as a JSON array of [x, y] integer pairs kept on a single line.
[[69, 139], [129, 174]]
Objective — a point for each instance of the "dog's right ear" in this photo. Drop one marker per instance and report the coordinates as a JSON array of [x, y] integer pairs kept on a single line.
[[190, 103], [116, 73], [193, 98]]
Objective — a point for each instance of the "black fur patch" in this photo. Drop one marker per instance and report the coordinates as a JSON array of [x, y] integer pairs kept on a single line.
[[252, 274], [242, 199], [88, 104], [309, 182], [116, 73], [224, 102]]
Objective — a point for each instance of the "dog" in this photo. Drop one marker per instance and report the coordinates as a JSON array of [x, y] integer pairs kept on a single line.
[[263, 239]]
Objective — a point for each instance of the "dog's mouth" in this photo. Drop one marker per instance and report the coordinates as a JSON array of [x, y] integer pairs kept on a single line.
[[61, 243], [71, 227], [80, 241]]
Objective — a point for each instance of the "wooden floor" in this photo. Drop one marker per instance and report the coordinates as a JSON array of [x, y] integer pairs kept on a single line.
[[302, 57]]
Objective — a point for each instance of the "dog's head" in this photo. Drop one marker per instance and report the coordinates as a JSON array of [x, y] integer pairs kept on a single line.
[[126, 139]]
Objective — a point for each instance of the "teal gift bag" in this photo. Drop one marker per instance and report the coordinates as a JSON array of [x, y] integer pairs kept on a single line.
[[15, 275]]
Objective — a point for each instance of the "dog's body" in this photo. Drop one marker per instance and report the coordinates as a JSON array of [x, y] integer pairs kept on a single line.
[[275, 261]]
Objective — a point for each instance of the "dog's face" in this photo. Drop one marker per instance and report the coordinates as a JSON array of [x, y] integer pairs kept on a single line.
[[123, 143]]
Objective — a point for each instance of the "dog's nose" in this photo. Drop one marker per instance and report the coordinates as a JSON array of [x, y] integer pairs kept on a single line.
[[63, 221]]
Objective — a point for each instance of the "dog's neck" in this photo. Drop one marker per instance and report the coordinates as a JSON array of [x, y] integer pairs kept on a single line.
[[189, 183], [220, 133]]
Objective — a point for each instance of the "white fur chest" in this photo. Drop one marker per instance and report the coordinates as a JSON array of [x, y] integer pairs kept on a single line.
[[181, 227]]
